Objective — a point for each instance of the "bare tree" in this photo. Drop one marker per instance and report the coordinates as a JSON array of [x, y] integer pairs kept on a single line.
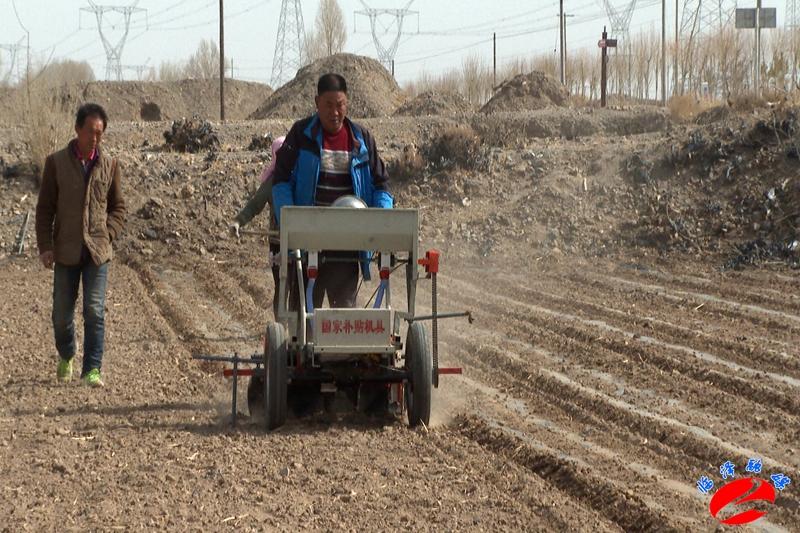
[[330, 31], [204, 63], [477, 80], [61, 72], [171, 71]]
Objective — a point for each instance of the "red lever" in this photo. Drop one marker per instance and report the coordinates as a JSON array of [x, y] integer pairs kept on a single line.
[[430, 262]]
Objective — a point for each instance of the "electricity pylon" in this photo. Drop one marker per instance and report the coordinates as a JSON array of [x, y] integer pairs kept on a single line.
[[290, 45], [113, 50], [12, 50], [397, 16]]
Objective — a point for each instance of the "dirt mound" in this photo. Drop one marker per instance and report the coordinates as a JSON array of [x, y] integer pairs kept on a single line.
[[372, 92], [435, 103], [715, 114], [508, 128], [726, 187], [524, 92], [138, 100], [191, 136]]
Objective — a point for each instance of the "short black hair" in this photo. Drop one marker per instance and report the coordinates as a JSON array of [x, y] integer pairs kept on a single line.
[[90, 110], [331, 82]]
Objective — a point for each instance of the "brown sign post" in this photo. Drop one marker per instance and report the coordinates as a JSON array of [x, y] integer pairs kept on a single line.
[[604, 44]]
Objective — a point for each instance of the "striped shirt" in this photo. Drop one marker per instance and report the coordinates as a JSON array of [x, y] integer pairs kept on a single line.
[[334, 168]]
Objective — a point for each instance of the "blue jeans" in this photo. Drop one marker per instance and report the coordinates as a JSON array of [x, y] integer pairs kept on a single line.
[[65, 293]]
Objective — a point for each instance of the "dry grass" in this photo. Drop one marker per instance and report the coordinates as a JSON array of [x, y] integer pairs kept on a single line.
[[47, 126], [686, 107], [408, 167], [454, 147]]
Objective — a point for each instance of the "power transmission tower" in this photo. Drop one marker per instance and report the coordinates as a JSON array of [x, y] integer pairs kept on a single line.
[[706, 16], [620, 18], [12, 50], [140, 70], [113, 51], [701, 18], [397, 16], [290, 45]]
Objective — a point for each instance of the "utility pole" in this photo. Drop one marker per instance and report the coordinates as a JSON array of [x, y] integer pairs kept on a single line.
[[494, 61], [561, 39], [221, 62], [605, 43], [663, 52], [113, 51], [603, 48]]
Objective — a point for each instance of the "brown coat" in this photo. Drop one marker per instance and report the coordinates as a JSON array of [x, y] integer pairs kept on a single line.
[[69, 214]]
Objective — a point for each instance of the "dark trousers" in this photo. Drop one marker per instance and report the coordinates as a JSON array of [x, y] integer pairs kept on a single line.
[[66, 280], [337, 279], [274, 249]]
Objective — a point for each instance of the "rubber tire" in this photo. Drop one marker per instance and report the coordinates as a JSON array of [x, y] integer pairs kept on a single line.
[[276, 376], [255, 397], [419, 365]]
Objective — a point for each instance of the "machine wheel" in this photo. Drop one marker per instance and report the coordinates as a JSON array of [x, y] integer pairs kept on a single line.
[[255, 397], [275, 369], [419, 365]]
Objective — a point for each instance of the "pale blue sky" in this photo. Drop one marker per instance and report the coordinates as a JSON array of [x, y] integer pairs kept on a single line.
[[448, 30]]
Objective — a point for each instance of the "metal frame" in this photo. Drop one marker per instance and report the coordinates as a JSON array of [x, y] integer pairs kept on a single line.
[[346, 229], [387, 231]]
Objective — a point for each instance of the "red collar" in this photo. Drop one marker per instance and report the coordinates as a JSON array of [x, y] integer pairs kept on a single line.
[[77, 151]]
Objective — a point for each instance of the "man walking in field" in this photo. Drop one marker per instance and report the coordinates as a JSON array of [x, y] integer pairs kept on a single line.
[[79, 214]]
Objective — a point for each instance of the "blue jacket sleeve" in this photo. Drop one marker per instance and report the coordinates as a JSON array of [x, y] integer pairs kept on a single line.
[[382, 199], [281, 196], [381, 196]]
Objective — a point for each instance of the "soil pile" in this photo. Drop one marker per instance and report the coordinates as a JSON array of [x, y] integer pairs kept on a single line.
[[435, 103], [715, 114], [137, 100], [731, 186], [527, 92], [372, 92], [191, 136]]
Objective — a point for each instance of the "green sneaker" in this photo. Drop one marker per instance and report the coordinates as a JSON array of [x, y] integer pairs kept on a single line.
[[64, 370], [93, 379]]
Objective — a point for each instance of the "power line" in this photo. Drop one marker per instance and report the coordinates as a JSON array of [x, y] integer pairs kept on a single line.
[[549, 27], [159, 24]]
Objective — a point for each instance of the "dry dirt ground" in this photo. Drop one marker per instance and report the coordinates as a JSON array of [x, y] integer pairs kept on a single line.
[[602, 377]]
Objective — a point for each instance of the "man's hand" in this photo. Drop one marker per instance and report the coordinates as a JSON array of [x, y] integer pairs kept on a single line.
[[234, 227], [47, 259]]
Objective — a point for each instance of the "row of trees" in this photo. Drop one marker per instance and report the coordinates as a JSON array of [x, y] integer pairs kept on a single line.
[[719, 66]]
